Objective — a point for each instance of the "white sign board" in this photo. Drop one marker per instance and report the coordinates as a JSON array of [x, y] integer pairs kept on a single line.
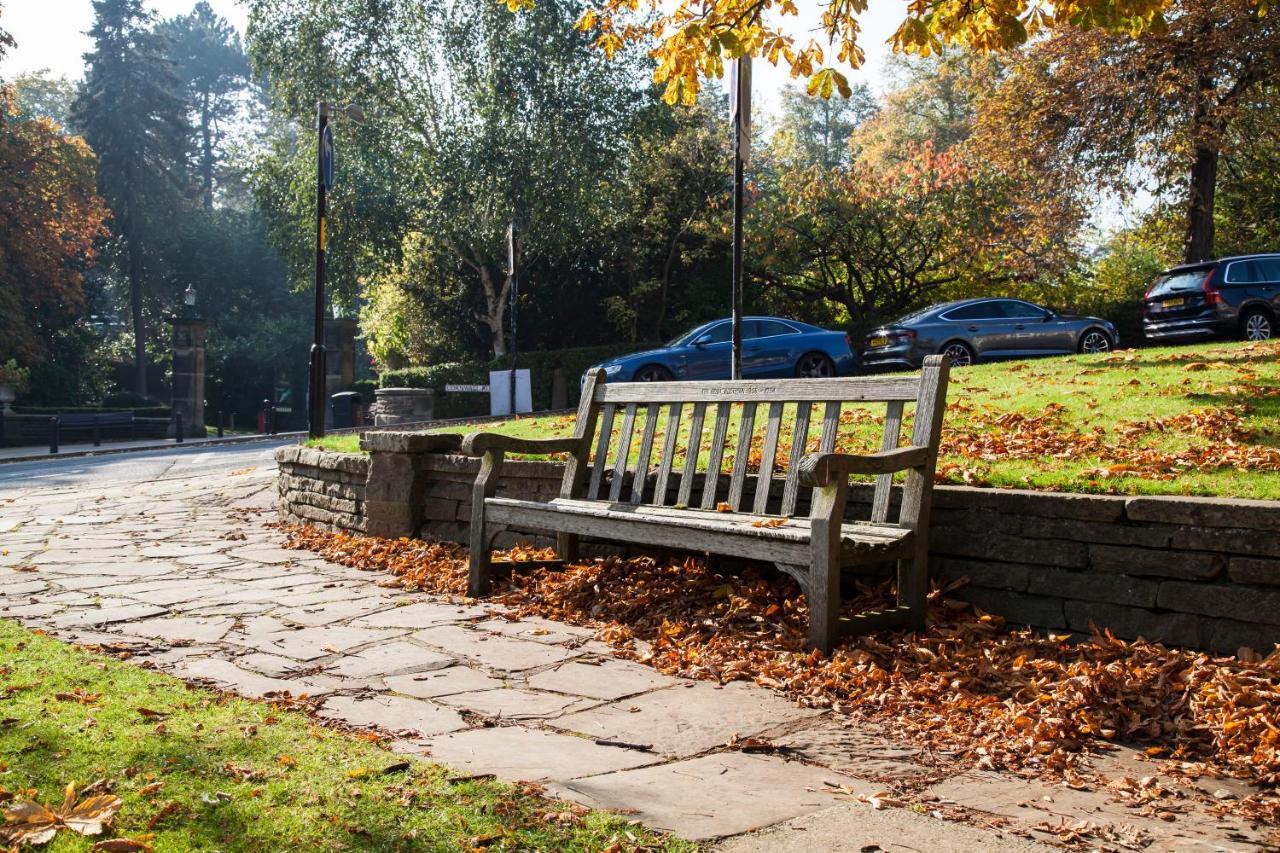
[[467, 389], [500, 392]]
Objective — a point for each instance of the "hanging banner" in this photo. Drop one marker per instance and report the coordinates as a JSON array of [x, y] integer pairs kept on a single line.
[[740, 107], [326, 157]]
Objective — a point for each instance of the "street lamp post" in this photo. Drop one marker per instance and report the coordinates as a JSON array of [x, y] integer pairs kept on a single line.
[[740, 119], [324, 181]]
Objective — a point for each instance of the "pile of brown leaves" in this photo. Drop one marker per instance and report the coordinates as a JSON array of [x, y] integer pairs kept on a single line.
[[969, 687]]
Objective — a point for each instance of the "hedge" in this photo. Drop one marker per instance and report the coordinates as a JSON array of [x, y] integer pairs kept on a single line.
[[541, 366], [148, 412]]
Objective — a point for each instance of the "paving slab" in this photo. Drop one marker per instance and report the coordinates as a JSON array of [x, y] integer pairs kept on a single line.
[[857, 828], [537, 630], [442, 682], [313, 643], [855, 750], [687, 720], [514, 703], [716, 795], [398, 714], [516, 753], [1031, 802], [181, 629], [606, 679], [422, 614], [342, 609], [251, 684], [493, 651], [395, 657]]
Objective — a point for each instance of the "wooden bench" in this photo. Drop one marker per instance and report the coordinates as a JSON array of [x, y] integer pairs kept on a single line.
[[609, 494]]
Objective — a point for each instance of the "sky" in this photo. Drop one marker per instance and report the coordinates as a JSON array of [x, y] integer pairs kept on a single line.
[[51, 34]]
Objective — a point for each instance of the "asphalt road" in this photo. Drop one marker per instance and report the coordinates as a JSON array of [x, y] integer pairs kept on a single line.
[[136, 467]]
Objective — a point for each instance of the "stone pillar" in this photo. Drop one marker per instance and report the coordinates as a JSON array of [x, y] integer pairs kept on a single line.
[[395, 488], [188, 374], [340, 359]]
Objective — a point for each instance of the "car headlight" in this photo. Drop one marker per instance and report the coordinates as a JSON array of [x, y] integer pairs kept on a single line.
[[612, 369]]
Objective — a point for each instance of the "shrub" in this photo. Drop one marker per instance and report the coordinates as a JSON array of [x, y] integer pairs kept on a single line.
[[541, 366]]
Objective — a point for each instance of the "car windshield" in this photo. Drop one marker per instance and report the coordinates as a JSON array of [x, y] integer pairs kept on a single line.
[[1178, 282], [687, 337], [914, 315]]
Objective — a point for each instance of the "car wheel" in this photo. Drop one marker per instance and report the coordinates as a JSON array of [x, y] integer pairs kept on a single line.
[[1095, 341], [815, 365], [653, 373], [960, 353], [1257, 326]]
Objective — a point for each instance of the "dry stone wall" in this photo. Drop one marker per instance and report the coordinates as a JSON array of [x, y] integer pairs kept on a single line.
[[1188, 571]]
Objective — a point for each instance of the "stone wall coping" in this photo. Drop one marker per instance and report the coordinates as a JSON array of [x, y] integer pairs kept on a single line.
[[404, 392], [392, 441], [314, 457]]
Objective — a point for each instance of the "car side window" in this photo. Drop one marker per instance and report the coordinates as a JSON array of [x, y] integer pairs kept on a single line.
[[770, 329], [980, 311], [1268, 269], [1243, 272], [1021, 310], [717, 334]]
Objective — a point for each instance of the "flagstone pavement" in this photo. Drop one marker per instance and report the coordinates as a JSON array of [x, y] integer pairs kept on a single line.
[[185, 574]]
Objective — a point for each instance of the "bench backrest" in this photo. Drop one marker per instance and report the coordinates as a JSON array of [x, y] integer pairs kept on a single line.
[[642, 406]]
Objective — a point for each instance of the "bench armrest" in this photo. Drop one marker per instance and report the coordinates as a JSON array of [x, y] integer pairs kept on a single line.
[[821, 469], [480, 443]]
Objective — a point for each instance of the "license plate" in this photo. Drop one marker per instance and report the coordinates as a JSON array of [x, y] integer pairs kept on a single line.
[[880, 342], [1172, 303]]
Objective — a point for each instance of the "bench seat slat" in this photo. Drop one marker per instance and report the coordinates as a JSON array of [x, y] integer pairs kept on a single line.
[[668, 454], [730, 533], [623, 451]]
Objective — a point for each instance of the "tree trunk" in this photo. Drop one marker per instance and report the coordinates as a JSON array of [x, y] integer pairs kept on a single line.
[[495, 301], [206, 154], [1204, 179], [135, 295]]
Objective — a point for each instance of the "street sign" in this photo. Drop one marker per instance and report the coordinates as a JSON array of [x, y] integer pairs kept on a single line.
[[467, 389], [326, 157]]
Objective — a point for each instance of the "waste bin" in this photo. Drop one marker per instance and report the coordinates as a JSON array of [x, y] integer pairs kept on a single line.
[[344, 405]]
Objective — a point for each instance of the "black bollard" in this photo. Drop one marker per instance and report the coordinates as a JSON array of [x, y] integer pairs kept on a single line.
[[55, 423], [97, 432], [219, 423], [177, 426]]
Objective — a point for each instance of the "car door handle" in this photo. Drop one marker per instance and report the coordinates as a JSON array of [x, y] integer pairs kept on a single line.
[[973, 328], [1019, 326]]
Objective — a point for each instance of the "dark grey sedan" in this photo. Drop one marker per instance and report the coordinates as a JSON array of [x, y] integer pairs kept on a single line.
[[973, 330]]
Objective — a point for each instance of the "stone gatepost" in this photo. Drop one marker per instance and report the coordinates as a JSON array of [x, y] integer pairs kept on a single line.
[[394, 491], [340, 359], [188, 374]]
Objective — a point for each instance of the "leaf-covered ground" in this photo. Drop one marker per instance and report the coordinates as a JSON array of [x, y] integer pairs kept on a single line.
[[198, 770], [970, 687], [1199, 420]]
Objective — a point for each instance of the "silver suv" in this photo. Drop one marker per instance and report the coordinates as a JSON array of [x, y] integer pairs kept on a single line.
[[984, 329]]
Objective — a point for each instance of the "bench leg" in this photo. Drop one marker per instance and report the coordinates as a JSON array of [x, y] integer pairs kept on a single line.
[[567, 547], [824, 568], [479, 578], [913, 586]]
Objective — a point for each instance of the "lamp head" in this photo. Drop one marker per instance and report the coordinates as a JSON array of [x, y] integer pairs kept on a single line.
[[189, 296]]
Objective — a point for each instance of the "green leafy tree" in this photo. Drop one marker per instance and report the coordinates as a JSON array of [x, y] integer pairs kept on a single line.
[[132, 116], [213, 75], [41, 95], [817, 130], [499, 118]]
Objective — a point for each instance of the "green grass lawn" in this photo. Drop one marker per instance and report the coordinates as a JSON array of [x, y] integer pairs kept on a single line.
[[215, 772], [1198, 420]]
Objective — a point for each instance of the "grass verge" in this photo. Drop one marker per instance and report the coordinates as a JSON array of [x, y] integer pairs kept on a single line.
[[1172, 420], [202, 770]]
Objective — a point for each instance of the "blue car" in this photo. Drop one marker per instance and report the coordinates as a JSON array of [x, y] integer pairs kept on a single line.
[[771, 348]]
